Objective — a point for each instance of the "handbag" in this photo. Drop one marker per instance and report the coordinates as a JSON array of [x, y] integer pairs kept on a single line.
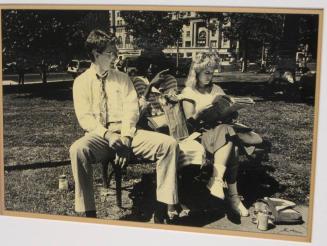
[[176, 120], [281, 211]]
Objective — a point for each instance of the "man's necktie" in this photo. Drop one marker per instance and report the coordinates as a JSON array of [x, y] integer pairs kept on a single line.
[[103, 99]]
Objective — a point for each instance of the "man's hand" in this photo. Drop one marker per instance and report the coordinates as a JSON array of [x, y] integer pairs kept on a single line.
[[123, 152], [122, 158], [113, 140], [122, 147], [158, 78]]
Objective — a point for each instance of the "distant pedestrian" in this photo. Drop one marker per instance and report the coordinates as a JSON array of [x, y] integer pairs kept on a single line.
[[44, 69], [21, 70], [119, 63]]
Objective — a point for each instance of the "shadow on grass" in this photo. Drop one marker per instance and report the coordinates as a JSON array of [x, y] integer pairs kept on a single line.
[[255, 179], [37, 165], [254, 182], [243, 88], [59, 91], [266, 93], [191, 194]]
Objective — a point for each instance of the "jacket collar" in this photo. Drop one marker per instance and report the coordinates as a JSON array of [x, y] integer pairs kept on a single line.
[[93, 71]]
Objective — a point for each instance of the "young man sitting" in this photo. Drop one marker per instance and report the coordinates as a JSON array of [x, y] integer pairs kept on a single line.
[[106, 106]]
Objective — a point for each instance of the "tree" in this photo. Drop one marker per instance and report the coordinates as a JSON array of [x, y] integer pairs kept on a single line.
[[308, 33], [300, 32], [80, 29], [54, 35], [251, 29], [152, 31]]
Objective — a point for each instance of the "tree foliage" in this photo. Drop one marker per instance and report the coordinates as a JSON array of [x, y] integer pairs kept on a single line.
[[49, 34], [252, 31], [255, 27], [276, 30], [60, 34], [308, 32], [152, 30]]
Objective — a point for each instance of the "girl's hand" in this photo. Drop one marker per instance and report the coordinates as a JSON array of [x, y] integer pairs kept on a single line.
[[143, 103]]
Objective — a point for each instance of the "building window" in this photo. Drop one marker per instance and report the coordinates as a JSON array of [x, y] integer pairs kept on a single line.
[[188, 13], [214, 43], [202, 38], [127, 40], [188, 44], [118, 13], [213, 33], [120, 42], [188, 33], [189, 54], [225, 41]]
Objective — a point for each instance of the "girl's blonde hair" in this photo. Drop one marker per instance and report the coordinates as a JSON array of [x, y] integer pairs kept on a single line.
[[201, 61]]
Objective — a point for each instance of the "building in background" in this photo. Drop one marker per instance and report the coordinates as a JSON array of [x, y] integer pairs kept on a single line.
[[196, 37], [125, 41]]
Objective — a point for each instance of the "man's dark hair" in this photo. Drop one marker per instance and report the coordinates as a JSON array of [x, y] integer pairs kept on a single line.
[[98, 40]]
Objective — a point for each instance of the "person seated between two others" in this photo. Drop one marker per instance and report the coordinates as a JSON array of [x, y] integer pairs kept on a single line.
[[152, 84]]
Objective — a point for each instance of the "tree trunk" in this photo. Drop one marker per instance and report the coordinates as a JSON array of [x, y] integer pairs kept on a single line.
[[245, 55], [220, 28], [208, 36]]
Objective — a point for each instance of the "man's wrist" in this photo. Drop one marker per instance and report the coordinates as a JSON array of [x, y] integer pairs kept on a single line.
[[128, 137], [127, 140], [107, 135]]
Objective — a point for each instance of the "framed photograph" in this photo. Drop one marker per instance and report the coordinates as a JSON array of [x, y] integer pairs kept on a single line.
[[195, 119]]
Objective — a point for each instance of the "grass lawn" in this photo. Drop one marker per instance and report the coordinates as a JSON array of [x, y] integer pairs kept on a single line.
[[40, 125]]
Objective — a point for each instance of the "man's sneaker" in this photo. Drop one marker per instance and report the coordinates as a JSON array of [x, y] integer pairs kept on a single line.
[[172, 217]]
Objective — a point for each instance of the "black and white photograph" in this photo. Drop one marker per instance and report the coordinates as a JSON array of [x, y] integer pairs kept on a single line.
[[195, 119]]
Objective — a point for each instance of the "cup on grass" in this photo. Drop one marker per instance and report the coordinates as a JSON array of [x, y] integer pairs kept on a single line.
[[63, 182], [262, 218]]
